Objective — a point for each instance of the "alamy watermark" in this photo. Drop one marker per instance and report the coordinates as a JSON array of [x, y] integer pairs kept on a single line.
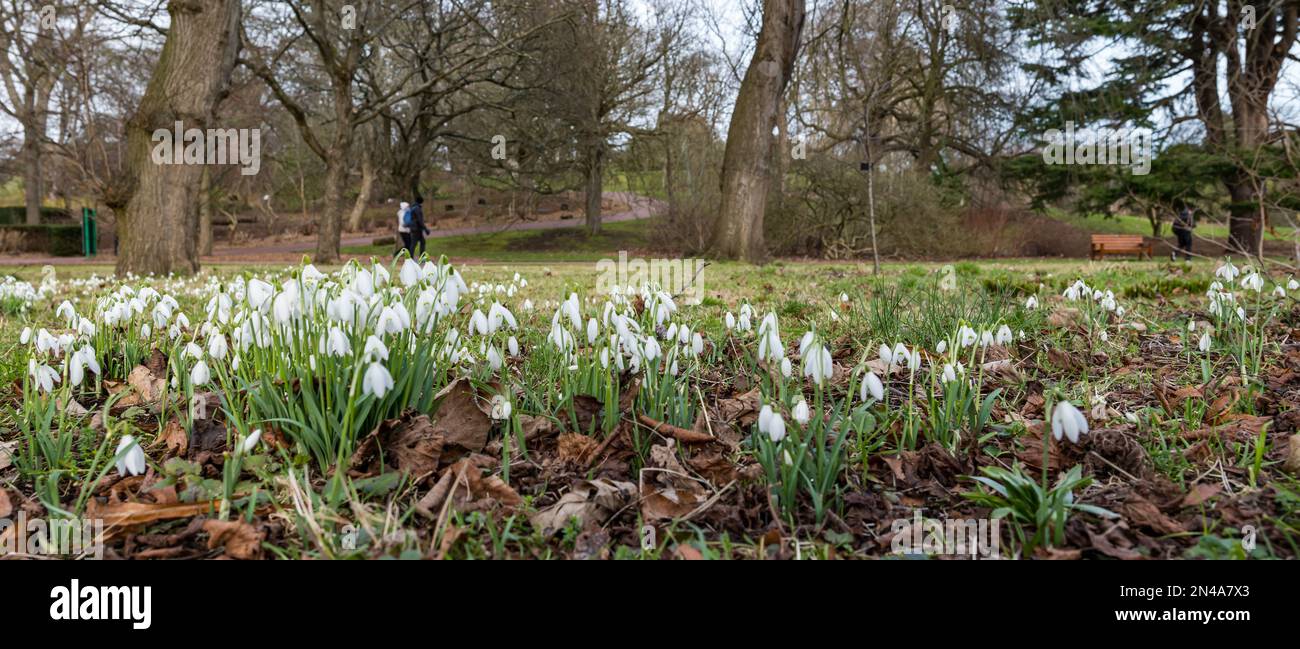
[[213, 146], [683, 278], [976, 537], [66, 537], [1118, 147]]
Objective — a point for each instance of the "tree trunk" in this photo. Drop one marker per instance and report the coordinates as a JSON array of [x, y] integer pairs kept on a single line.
[[367, 189], [158, 216], [205, 212], [329, 235], [1245, 219], [595, 187], [32, 171], [745, 164]]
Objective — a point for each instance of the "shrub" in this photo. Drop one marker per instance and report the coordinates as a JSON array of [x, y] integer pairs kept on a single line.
[[58, 239]]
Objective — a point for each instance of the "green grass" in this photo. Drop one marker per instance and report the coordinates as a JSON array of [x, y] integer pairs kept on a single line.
[[554, 245], [1129, 224]]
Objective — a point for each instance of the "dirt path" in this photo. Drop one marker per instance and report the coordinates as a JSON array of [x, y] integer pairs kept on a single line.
[[639, 207]]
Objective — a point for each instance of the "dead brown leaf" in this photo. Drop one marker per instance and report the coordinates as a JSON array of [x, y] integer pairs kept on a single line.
[[239, 539], [591, 502]]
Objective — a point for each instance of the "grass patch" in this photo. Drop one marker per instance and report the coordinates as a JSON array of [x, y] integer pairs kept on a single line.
[[552, 245]]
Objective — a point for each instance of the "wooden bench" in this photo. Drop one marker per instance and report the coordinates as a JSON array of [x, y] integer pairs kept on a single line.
[[1120, 244]]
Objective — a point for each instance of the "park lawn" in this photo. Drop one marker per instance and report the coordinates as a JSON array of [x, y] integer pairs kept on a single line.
[[551, 245], [1130, 224]]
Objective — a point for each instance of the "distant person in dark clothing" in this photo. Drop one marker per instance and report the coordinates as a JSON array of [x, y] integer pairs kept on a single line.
[[1184, 223], [415, 221]]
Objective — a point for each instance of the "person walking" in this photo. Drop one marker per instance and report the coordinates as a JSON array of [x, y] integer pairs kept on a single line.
[[403, 230], [1184, 223], [415, 222]]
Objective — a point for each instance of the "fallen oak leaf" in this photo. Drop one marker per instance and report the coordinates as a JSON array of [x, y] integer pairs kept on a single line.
[[238, 539]]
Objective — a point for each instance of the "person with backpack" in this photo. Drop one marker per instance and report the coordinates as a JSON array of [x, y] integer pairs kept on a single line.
[[1184, 223], [403, 230], [415, 225]]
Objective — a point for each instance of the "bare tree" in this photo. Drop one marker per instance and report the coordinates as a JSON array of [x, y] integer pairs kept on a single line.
[[745, 165]]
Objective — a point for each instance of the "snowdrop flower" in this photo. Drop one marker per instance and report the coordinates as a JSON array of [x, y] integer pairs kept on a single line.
[[132, 462], [769, 339], [886, 356], [1278, 291], [1004, 336], [1253, 282], [967, 336], [817, 363], [512, 345], [786, 368], [411, 273], [65, 311], [26, 336], [1227, 272], [376, 349], [259, 294], [193, 351], [593, 331], [200, 375], [251, 441], [1191, 326], [377, 381], [1292, 285], [764, 418], [697, 344], [1069, 422], [800, 412], [949, 373], [986, 338], [1205, 342], [730, 321], [1032, 302], [776, 428], [872, 386], [338, 343], [941, 347], [42, 375], [501, 408], [217, 347], [844, 297], [493, 358]]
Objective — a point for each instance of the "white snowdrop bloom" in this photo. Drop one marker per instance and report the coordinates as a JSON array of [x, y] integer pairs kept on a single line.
[[941, 347], [376, 349], [390, 322], [193, 351], [871, 386], [986, 338], [1292, 285], [251, 441], [730, 321], [651, 349], [886, 356], [411, 273], [1227, 272], [844, 297], [528, 305], [1032, 302], [200, 374], [967, 336], [1067, 421], [786, 367], [1103, 335], [478, 323], [776, 428], [949, 373], [764, 418], [130, 457], [501, 407], [1004, 336], [1191, 326], [1253, 282], [311, 362], [573, 310], [800, 412], [817, 364], [494, 358], [377, 380], [42, 375], [338, 343], [311, 276], [512, 346], [76, 370], [1278, 291], [914, 360], [593, 331], [1204, 343], [65, 311], [259, 294], [26, 336], [697, 344], [805, 342], [498, 315]]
